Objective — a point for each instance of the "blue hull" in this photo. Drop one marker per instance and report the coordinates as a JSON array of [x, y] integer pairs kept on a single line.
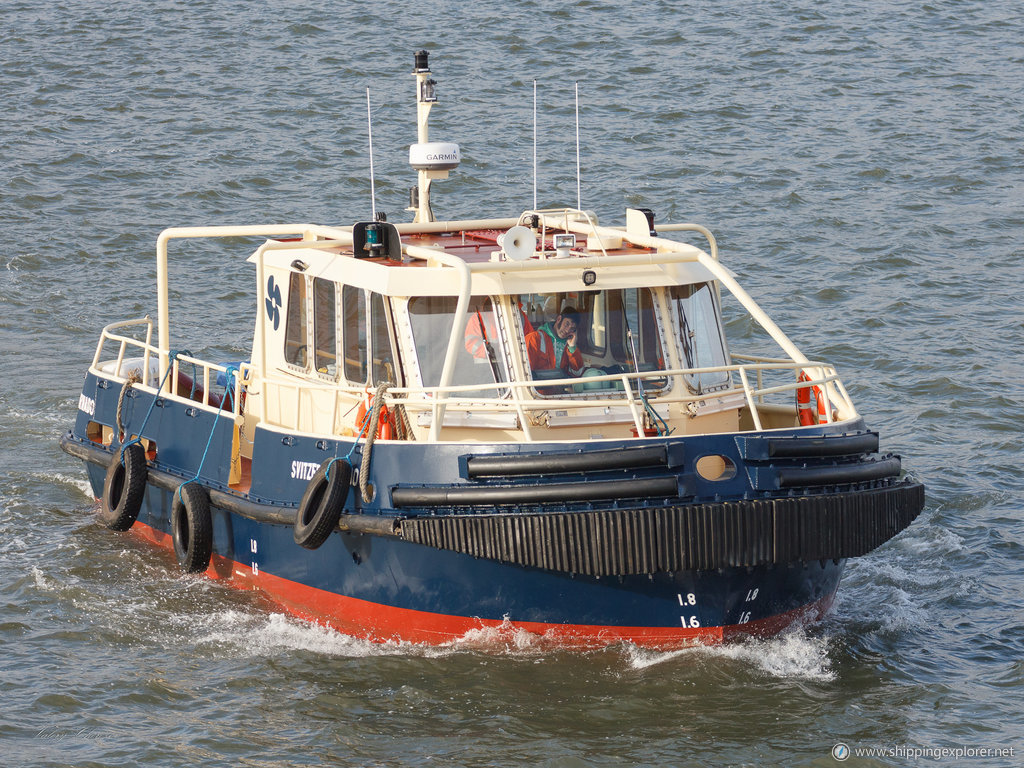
[[422, 594], [390, 588]]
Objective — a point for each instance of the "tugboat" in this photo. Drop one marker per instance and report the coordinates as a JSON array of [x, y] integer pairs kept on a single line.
[[530, 423]]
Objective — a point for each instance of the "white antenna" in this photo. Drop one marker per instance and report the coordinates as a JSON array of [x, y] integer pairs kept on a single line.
[[369, 134], [579, 194], [535, 145]]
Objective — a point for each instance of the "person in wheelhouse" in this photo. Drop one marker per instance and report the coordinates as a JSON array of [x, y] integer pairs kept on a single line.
[[553, 345]]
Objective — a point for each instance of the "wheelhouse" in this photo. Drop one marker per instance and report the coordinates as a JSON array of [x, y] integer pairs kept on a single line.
[[446, 329]]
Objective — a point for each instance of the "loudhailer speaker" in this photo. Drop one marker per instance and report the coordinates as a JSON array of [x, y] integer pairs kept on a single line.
[[518, 243]]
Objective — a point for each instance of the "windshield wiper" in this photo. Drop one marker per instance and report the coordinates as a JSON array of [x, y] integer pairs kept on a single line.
[[489, 348], [690, 349]]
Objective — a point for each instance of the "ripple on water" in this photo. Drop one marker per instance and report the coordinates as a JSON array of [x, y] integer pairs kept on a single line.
[[860, 167]]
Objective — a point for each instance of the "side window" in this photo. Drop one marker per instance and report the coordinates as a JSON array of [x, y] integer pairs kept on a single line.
[[324, 327], [649, 344], [353, 302], [296, 351], [384, 368]]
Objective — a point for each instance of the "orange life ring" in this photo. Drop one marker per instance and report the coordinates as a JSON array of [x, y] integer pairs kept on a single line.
[[386, 425], [804, 409]]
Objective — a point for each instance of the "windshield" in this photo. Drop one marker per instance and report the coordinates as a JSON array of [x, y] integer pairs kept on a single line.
[[576, 335], [480, 360], [700, 334], [584, 334]]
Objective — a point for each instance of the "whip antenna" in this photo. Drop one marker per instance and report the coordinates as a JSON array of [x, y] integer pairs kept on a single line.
[[535, 145], [579, 195], [369, 134]]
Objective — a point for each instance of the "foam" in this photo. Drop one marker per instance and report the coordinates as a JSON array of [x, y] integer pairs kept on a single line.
[[42, 582], [78, 482], [794, 654], [14, 546], [268, 635]]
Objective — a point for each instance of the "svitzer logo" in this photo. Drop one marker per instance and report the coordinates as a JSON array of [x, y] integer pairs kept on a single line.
[[304, 470], [87, 404]]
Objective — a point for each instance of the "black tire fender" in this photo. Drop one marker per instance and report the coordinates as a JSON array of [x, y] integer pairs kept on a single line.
[[124, 488], [192, 528], [321, 505]]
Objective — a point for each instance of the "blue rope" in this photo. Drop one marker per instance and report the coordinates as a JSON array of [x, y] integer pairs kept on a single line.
[[366, 423], [664, 428], [327, 472], [229, 374]]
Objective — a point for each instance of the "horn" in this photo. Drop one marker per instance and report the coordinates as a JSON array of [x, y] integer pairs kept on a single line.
[[518, 243]]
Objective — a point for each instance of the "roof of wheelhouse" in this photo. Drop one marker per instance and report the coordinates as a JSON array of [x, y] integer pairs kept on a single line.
[[433, 264]]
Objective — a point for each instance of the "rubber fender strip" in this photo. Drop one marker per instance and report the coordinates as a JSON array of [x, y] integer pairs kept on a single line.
[[468, 495], [692, 537], [798, 477], [552, 463], [824, 445]]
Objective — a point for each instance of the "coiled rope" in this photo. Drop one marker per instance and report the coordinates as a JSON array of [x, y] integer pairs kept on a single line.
[[133, 378], [365, 489]]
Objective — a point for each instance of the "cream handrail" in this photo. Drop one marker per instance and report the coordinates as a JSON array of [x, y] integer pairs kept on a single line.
[[516, 399], [162, 280], [150, 352]]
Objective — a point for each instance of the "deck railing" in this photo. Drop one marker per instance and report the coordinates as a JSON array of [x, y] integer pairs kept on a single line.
[[139, 355], [758, 382], [517, 407]]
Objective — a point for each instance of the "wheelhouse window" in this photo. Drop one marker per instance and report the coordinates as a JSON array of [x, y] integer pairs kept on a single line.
[[325, 327], [295, 343], [384, 368], [367, 348], [696, 313], [479, 360], [586, 334], [353, 302]]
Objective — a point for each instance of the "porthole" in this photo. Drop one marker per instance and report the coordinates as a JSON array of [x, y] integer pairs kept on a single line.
[[716, 467]]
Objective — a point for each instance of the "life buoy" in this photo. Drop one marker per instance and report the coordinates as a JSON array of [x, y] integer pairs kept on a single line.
[[810, 414], [322, 503], [386, 424], [191, 527], [124, 488]]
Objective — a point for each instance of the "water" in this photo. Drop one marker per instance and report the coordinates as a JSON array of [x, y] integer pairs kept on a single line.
[[861, 164]]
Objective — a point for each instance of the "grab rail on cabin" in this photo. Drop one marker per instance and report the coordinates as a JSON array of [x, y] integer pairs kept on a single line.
[[819, 377], [146, 362], [515, 407]]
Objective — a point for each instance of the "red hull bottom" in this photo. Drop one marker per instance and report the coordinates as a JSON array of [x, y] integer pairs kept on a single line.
[[383, 623]]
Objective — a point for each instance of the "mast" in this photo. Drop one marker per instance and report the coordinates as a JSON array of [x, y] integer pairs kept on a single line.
[[432, 160]]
